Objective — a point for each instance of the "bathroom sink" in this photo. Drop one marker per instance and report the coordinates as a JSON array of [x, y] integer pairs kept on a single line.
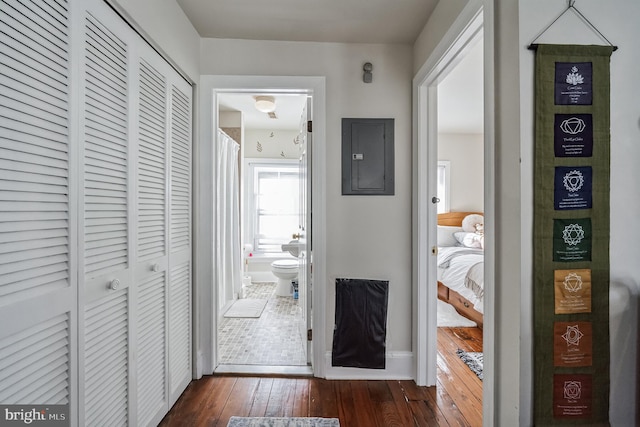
[[293, 247]]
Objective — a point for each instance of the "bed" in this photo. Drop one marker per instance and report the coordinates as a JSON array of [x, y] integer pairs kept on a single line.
[[461, 263]]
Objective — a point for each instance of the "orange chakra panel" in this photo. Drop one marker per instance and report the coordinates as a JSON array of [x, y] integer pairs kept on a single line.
[[572, 344], [572, 291]]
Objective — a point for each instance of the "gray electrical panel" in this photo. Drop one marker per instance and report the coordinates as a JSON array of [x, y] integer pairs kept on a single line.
[[367, 157]]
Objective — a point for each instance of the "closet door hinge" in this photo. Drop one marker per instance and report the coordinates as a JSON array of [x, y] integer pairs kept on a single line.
[[309, 126], [309, 334]]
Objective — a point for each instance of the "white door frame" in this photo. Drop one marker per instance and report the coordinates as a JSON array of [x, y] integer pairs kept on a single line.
[[205, 308], [461, 36]]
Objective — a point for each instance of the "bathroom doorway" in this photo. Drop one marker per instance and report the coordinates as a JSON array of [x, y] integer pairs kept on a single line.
[[263, 311]]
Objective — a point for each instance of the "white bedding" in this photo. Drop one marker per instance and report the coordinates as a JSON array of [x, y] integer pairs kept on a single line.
[[461, 269]]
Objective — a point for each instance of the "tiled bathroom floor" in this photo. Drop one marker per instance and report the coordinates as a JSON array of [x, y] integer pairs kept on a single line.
[[272, 339]]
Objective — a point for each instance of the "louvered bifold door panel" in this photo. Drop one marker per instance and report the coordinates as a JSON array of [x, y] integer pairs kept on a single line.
[[34, 364], [151, 344], [180, 169], [38, 292], [34, 150], [107, 199], [106, 361], [179, 329], [105, 151], [152, 179], [152, 238], [180, 276]]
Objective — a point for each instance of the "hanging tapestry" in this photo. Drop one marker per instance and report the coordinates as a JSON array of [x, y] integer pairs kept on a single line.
[[571, 235]]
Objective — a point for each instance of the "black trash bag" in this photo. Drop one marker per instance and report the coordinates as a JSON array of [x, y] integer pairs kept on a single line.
[[360, 333]]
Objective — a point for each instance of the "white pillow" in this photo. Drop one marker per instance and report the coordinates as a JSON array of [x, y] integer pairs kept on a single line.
[[469, 222], [446, 235], [470, 240]]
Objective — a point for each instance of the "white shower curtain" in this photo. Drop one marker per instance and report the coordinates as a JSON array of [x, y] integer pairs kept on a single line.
[[228, 248]]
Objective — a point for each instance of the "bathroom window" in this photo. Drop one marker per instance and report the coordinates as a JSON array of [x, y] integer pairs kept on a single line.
[[273, 211], [444, 167]]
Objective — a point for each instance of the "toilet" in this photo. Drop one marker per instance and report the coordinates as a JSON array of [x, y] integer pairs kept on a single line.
[[285, 270]]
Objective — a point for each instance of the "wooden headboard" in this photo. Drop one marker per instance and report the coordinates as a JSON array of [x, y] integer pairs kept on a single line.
[[454, 218]]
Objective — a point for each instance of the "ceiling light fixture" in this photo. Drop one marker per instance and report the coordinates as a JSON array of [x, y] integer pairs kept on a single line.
[[266, 104]]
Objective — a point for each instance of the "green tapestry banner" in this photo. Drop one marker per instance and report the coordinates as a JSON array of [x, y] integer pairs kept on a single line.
[[571, 235]]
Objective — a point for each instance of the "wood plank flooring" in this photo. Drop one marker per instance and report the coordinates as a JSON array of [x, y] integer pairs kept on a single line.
[[456, 400]]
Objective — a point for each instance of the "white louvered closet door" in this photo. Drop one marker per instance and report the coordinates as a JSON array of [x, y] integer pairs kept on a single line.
[[108, 230], [95, 216], [162, 288], [180, 239], [151, 277], [38, 290]]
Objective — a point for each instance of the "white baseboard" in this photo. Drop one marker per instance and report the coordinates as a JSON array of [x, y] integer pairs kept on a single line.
[[399, 365], [199, 367]]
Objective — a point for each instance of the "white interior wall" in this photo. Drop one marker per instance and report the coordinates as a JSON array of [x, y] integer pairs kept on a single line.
[[511, 388], [445, 13], [164, 23], [618, 21], [366, 236], [230, 119], [465, 152]]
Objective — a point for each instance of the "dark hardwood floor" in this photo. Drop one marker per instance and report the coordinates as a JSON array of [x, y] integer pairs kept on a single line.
[[456, 400]]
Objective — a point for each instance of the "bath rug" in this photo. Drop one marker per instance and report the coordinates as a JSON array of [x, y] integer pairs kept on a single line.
[[448, 317], [247, 307], [283, 422], [474, 360]]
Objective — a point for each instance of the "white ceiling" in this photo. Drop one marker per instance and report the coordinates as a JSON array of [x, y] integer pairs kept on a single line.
[[460, 94], [341, 21], [288, 110]]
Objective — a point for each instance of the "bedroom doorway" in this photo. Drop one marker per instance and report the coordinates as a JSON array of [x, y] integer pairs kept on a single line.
[[460, 226], [438, 140], [460, 190]]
